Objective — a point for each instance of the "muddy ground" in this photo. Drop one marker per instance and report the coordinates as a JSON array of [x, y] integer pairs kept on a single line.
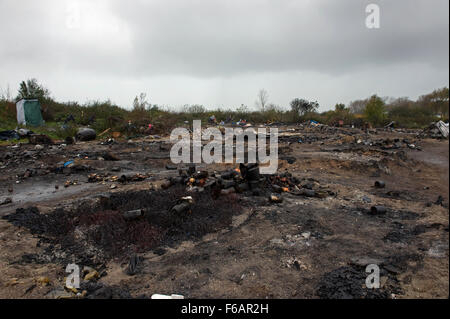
[[232, 244]]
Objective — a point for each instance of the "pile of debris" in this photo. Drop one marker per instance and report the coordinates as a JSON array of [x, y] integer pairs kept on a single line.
[[438, 130], [248, 181], [388, 144], [16, 134], [245, 179], [124, 178]]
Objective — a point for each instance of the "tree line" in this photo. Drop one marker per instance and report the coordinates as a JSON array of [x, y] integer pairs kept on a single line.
[[374, 110]]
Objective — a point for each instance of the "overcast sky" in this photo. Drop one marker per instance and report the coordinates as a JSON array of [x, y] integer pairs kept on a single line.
[[220, 53]]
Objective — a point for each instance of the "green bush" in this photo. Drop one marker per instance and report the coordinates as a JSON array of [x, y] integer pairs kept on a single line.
[[102, 115], [375, 111], [415, 116], [7, 111]]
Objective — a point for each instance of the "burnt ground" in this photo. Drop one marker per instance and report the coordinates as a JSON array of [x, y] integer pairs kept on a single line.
[[234, 244]]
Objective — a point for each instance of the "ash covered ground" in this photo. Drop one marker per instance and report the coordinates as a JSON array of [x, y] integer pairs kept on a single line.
[[137, 224]]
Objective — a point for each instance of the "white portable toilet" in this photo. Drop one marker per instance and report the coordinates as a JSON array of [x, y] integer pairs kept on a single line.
[[29, 112]]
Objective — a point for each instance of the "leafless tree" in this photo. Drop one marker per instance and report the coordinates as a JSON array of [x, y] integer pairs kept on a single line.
[[262, 99], [6, 94], [140, 103], [358, 106]]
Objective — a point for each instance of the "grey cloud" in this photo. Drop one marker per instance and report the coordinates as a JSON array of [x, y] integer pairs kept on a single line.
[[231, 46], [208, 38]]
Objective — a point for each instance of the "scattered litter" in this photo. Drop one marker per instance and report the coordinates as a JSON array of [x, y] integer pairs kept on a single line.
[[9, 135], [85, 134], [68, 163], [436, 130], [173, 296], [132, 214], [378, 210], [275, 198], [43, 281], [40, 139], [90, 274], [7, 200], [380, 184]]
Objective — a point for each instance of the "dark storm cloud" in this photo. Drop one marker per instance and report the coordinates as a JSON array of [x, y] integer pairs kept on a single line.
[[221, 38], [221, 52], [216, 38]]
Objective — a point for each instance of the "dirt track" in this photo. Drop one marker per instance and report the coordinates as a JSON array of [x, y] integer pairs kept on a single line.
[[240, 245]]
